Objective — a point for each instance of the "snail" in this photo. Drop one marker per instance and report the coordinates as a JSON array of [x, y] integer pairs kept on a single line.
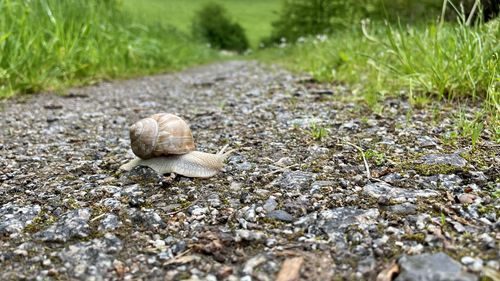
[[164, 142]]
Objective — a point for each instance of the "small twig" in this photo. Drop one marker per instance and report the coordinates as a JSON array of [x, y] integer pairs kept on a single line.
[[368, 174], [98, 217], [178, 257]]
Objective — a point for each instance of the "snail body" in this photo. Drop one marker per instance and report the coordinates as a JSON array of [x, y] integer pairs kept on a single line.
[[165, 143], [194, 164]]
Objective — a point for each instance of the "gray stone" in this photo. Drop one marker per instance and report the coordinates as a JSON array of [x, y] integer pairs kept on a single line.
[[91, 259], [432, 267], [73, 224], [14, 218], [250, 214], [318, 185], [146, 218], [398, 194], [179, 247], [247, 235], [478, 176], [351, 125], [392, 178], [493, 264], [426, 141], [110, 222], [443, 159], [280, 215], [270, 204], [333, 222], [134, 194], [403, 209], [317, 151], [111, 203], [294, 180], [245, 166], [253, 263], [197, 210], [214, 200]]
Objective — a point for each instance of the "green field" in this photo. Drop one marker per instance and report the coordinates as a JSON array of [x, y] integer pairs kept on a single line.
[[255, 16]]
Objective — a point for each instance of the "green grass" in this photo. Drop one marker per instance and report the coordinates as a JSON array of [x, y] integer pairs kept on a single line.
[[51, 44], [255, 16], [445, 62], [429, 61]]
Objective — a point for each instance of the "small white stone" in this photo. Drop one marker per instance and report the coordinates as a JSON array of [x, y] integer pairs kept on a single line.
[[467, 260], [477, 266], [21, 252], [210, 277], [246, 278], [160, 244], [493, 264]]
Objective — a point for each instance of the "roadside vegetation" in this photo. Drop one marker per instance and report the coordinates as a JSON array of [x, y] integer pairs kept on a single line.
[[51, 44], [422, 52]]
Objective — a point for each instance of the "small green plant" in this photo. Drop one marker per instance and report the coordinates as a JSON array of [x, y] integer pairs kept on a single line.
[[377, 157], [450, 138], [418, 101], [471, 128], [213, 25], [496, 194], [317, 132], [443, 219]]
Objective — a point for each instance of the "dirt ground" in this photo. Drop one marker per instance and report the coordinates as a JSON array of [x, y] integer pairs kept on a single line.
[[295, 201]]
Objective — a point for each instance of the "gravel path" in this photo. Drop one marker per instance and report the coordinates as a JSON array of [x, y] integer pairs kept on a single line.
[[294, 201]]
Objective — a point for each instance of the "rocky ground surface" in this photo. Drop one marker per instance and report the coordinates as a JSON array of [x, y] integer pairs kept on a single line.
[[294, 202]]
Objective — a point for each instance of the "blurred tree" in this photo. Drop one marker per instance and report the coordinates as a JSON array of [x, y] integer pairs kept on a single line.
[[310, 17], [213, 25]]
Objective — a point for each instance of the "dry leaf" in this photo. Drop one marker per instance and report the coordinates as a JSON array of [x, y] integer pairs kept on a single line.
[[290, 270]]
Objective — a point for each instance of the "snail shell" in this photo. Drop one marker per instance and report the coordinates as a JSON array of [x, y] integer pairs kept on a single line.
[[165, 143], [161, 134]]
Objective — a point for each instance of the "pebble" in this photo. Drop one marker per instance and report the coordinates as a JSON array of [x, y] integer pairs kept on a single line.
[[403, 209], [109, 223], [426, 141], [396, 193], [280, 215], [467, 198], [294, 180], [270, 204], [14, 218], [73, 224], [431, 267], [443, 159], [247, 235]]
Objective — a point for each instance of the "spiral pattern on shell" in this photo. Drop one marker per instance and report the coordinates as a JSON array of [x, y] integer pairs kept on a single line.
[[160, 135]]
